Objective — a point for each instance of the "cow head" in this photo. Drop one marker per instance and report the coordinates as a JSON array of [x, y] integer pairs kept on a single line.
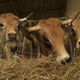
[[8, 26], [9, 30], [75, 25]]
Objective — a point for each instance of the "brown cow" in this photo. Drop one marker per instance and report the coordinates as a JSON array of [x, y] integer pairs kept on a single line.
[[8, 31], [51, 28]]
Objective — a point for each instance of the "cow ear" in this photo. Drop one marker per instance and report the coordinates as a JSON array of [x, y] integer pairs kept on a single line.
[[22, 25], [25, 24], [73, 29]]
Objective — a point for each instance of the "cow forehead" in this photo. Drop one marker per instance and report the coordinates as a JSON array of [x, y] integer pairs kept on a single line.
[[9, 19], [9, 15]]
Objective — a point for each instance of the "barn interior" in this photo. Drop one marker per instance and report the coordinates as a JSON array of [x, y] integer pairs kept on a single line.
[[41, 8], [34, 61]]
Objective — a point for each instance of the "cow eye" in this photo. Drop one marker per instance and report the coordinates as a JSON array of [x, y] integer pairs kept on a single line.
[[18, 27], [1, 25]]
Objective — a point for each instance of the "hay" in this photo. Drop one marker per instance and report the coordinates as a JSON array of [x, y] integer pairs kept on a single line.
[[44, 68]]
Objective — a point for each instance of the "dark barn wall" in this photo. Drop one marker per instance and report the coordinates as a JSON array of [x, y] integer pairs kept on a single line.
[[8, 6], [41, 8]]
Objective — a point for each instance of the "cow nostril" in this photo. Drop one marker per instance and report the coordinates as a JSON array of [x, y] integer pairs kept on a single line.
[[79, 42], [15, 35], [12, 34]]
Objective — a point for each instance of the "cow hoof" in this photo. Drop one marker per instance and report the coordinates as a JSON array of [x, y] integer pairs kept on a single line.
[[63, 58]]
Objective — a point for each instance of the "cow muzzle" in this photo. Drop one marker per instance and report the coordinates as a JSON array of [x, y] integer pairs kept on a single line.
[[12, 36]]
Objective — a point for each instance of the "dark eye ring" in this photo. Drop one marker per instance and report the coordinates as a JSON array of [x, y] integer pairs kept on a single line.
[[17, 28], [1, 25]]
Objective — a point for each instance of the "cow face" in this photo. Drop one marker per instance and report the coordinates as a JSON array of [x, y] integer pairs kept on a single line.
[[8, 26], [51, 28]]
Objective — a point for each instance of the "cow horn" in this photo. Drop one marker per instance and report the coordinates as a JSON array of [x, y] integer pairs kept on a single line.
[[34, 28], [24, 19], [71, 20], [67, 21]]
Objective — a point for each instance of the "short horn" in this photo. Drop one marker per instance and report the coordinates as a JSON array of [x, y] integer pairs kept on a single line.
[[34, 28], [67, 21], [24, 19]]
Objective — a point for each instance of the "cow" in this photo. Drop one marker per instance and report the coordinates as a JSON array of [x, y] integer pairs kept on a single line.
[[51, 28], [9, 28]]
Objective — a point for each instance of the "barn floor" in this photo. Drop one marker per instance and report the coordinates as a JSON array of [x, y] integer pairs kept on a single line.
[[44, 68]]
